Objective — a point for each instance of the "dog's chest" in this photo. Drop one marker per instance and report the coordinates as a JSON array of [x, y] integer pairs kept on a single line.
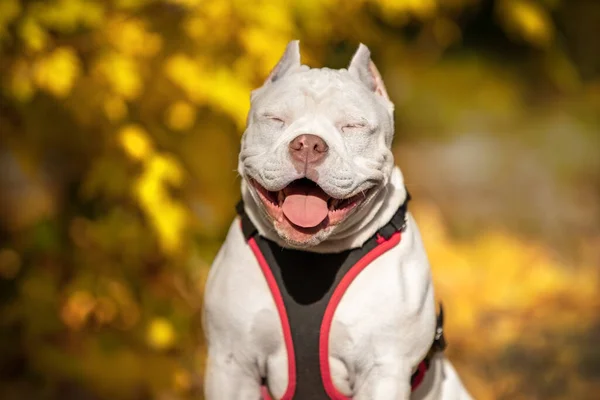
[[321, 311]]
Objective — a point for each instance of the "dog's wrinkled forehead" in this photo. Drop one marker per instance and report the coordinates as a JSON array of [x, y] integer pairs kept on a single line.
[[323, 90], [359, 86], [321, 79], [319, 83]]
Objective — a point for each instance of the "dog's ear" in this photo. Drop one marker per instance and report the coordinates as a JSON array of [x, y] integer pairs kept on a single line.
[[289, 61], [363, 69]]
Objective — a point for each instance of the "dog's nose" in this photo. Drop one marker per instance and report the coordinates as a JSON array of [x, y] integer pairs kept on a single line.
[[308, 149]]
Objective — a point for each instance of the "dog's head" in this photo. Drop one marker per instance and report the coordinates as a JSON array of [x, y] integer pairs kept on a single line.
[[317, 145]]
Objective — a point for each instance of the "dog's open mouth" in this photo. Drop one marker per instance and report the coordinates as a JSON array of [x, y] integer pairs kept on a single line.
[[305, 205]]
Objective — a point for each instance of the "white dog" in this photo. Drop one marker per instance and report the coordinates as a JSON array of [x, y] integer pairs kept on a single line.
[[322, 289]]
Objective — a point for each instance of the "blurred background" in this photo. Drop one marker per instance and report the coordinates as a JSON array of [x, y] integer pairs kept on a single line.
[[120, 123]]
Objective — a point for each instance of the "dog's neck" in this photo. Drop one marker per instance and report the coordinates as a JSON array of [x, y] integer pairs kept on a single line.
[[363, 225]]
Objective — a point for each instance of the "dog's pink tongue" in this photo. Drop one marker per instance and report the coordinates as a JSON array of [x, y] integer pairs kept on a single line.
[[306, 208]]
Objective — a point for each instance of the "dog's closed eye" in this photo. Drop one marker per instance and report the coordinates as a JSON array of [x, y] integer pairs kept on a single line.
[[353, 126], [273, 120]]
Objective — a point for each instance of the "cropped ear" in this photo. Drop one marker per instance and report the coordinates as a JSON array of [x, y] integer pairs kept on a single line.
[[363, 69], [289, 61]]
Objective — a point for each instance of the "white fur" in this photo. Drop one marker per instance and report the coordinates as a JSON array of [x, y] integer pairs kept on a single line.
[[385, 323]]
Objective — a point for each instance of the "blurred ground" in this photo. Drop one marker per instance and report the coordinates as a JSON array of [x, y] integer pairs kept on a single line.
[[120, 123]]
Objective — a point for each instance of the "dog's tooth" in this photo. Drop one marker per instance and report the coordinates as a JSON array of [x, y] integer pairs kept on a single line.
[[334, 203], [280, 197]]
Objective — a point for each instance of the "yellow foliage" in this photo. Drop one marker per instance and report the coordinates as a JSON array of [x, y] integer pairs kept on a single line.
[[21, 81], [160, 334], [216, 10], [32, 34], [422, 8], [167, 216], [166, 169], [497, 273], [135, 142], [220, 87], [419, 8], [130, 4], [272, 16], [180, 116], [196, 27], [57, 71], [264, 46], [187, 3], [151, 188], [131, 37], [186, 74], [68, 15], [230, 95], [446, 31], [115, 108], [121, 73], [9, 11], [528, 20]]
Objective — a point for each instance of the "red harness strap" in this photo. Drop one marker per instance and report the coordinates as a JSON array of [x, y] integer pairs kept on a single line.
[[382, 247], [419, 375], [285, 325]]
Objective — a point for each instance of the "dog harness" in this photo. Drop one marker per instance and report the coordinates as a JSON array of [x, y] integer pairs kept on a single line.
[[307, 288]]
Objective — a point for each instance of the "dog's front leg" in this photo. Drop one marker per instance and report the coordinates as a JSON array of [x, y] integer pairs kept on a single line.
[[385, 380], [229, 379]]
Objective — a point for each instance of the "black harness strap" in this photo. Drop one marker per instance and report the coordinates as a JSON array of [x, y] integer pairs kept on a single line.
[[248, 228], [398, 221]]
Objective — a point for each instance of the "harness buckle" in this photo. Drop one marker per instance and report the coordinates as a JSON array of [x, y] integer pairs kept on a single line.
[[439, 341]]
